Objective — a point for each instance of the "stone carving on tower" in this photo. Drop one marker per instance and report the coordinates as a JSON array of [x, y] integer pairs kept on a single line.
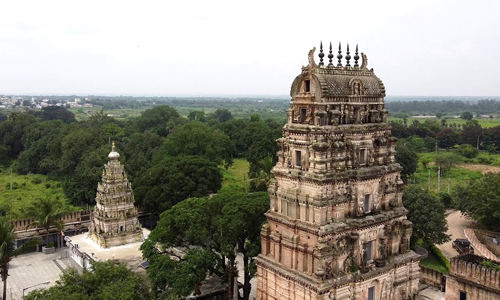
[[114, 219], [336, 227]]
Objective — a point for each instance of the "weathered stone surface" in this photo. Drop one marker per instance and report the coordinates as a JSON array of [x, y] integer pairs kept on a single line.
[[336, 227], [474, 280], [114, 219]]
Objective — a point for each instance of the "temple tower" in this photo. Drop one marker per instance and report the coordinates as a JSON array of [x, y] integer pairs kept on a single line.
[[114, 219], [336, 227]]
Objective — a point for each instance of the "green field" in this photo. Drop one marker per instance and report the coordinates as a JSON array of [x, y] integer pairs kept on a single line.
[[25, 190], [234, 178], [484, 122], [83, 113]]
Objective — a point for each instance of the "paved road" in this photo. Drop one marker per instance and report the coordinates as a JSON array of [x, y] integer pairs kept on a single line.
[[456, 225]]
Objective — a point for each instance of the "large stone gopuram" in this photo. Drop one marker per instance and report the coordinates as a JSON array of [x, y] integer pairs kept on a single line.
[[114, 219], [336, 227]]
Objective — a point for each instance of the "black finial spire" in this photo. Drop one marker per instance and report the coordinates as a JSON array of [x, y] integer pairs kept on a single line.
[[356, 57], [347, 57], [321, 54], [339, 57], [330, 56]]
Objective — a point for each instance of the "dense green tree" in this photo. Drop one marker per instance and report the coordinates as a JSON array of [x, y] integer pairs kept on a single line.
[[106, 281], [196, 138], [427, 215], [9, 250], [80, 186], [472, 133], [140, 150], [234, 128], [241, 221], [447, 160], [197, 115], [222, 115], [57, 113], [448, 138], [159, 119], [178, 278], [493, 136], [480, 200], [260, 143], [42, 148], [398, 129], [223, 225], [467, 150], [12, 131], [446, 199], [407, 158], [76, 144], [467, 115], [174, 179]]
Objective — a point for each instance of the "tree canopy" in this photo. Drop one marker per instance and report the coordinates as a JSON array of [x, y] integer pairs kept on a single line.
[[480, 200], [426, 212], [174, 179], [218, 227], [407, 158], [196, 138], [106, 281]]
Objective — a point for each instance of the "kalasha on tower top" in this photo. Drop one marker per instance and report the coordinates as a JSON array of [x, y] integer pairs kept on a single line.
[[336, 226]]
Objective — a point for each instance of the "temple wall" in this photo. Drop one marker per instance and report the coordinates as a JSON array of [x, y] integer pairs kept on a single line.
[[392, 285]]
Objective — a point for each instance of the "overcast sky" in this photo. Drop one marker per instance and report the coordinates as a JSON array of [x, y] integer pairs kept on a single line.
[[243, 47]]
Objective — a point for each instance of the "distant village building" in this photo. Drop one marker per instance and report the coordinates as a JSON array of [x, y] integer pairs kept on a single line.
[[114, 220], [336, 227], [470, 279]]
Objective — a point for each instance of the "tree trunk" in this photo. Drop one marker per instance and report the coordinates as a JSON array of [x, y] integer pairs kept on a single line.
[[5, 273], [229, 282], [246, 273]]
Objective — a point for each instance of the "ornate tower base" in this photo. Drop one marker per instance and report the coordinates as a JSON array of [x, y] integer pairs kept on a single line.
[[114, 220]]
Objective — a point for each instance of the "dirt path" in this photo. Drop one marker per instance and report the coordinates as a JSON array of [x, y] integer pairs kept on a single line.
[[456, 225], [483, 168]]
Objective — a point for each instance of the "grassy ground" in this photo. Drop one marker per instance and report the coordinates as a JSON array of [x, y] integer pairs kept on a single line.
[[432, 262], [236, 175], [25, 190], [458, 175], [119, 114], [484, 122]]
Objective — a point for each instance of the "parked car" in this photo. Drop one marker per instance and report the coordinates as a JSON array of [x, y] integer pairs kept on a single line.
[[463, 246]]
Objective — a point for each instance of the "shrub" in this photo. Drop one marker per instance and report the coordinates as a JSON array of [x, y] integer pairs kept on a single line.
[[446, 199], [36, 180], [467, 150], [440, 256]]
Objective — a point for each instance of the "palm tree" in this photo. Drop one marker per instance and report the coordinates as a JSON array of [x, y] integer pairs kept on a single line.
[[8, 250], [46, 213], [261, 181]]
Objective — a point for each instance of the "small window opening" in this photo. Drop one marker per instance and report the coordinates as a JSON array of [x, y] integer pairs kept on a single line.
[[362, 156], [298, 158], [368, 255], [121, 228], [371, 293], [367, 203], [308, 86], [303, 112], [462, 295]]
